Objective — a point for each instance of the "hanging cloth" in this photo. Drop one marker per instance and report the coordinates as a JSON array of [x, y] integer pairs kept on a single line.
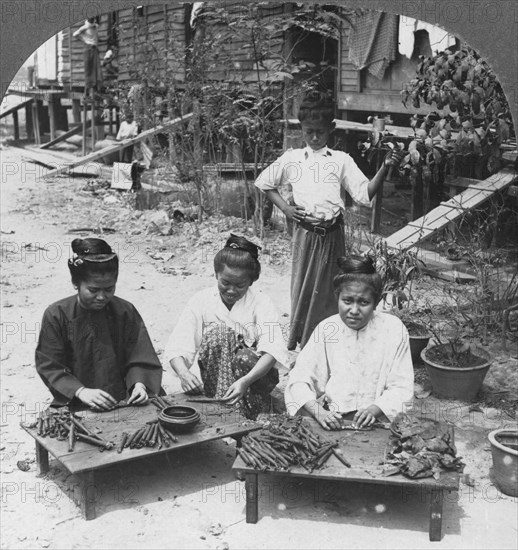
[[373, 41]]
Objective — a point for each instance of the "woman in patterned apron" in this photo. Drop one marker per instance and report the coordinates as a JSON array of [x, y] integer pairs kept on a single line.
[[235, 333]]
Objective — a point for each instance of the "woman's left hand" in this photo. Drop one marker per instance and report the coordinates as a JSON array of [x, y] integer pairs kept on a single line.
[[138, 395], [235, 392], [363, 418]]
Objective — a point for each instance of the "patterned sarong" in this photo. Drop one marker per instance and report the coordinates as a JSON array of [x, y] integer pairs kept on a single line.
[[223, 359]]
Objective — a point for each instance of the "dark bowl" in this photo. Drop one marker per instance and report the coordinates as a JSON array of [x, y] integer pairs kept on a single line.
[[179, 418]]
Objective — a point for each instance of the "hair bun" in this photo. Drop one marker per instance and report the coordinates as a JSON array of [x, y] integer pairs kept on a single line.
[[356, 264], [78, 246], [241, 243]]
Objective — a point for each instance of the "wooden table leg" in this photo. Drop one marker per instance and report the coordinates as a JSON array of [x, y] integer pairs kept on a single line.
[[88, 495], [42, 458], [436, 515], [252, 498]]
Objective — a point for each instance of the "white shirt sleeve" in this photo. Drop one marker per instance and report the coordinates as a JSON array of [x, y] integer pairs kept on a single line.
[[273, 176], [309, 376], [81, 29], [355, 182], [186, 336], [398, 387]]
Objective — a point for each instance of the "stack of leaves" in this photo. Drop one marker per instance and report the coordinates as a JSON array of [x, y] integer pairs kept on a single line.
[[285, 444], [420, 448], [64, 425]]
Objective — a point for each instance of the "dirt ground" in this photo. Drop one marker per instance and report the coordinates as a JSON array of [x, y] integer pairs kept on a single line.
[[191, 499]]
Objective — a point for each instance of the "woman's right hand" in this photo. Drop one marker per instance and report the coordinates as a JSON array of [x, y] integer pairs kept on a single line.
[[97, 399], [329, 420], [190, 383]]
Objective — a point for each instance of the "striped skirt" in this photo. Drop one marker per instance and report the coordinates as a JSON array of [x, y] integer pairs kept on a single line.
[[314, 266]]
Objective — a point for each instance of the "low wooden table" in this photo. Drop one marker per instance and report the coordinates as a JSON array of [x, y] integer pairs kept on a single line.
[[217, 421], [365, 450]]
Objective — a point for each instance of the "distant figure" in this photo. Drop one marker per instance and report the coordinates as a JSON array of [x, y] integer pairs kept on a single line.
[[88, 34], [109, 68], [127, 129]]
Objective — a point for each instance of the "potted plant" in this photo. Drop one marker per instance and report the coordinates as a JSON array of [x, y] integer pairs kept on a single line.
[[398, 269], [455, 366], [504, 450]]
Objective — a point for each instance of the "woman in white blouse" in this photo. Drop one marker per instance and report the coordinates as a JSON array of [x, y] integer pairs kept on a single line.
[[226, 318], [357, 361]]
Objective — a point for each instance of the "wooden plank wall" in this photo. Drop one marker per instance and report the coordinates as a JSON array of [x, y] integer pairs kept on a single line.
[[349, 76], [134, 30]]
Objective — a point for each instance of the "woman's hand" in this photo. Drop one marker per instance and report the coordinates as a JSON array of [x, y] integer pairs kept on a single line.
[[96, 399], [138, 395], [190, 383], [329, 420], [366, 417], [236, 391]]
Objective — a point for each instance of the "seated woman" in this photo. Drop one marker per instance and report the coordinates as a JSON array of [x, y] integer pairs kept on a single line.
[[221, 324], [93, 347], [357, 361]]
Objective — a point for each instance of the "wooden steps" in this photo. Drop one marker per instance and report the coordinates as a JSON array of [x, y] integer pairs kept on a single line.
[[438, 218]]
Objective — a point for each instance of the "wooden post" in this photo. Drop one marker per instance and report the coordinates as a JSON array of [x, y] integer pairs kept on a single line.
[[252, 498], [42, 458], [376, 210], [36, 121], [378, 200], [84, 125], [76, 110], [92, 109], [16, 126], [28, 121], [416, 207], [436, 515], [52, 117], [88, 496]]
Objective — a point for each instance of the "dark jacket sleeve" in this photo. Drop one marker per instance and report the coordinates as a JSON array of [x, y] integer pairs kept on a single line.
[[142, 364], [51, 358]]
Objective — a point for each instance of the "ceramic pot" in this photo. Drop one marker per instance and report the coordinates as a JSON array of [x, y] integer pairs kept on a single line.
[[179, 419], [504, 449], [456, 383]]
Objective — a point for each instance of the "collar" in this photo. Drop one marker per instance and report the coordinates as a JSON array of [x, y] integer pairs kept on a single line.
[[324, 152]]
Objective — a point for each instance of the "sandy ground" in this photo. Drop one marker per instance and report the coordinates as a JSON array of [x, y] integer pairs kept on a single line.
[[189, 499]]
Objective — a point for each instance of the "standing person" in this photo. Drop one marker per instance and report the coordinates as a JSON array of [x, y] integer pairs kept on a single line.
[[317, 174], [88, 34], [93, 346], [235, 333], [127, 129], [358, 361]]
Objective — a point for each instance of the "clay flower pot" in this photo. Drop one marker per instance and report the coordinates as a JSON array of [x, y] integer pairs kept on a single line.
[[504, 448], [453, 382], [419, 338]]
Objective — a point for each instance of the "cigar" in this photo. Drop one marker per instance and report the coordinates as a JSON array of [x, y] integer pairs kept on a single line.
[[71, 437], [145, 438], [91, 440], [153, 436], [341, 458], [131, 440], [122, 444]]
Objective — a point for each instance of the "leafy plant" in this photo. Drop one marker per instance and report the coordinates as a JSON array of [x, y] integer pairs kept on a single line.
[[397, 268], [472, 118]]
